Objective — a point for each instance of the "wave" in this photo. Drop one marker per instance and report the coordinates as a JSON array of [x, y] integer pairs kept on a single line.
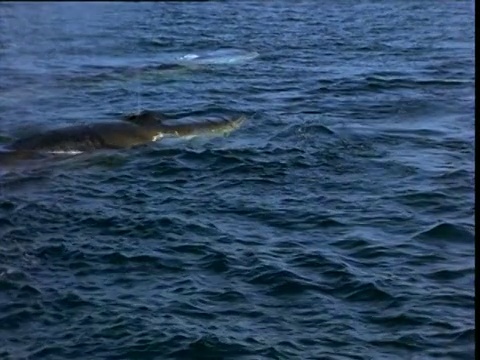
[[447, 231]]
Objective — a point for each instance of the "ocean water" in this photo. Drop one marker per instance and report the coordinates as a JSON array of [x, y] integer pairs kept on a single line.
[[336, 223]]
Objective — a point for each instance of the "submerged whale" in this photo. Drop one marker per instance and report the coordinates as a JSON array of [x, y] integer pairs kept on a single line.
[[169, 65], [218, 57], [134, 130]]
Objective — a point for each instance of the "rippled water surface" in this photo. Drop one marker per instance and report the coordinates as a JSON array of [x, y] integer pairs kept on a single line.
[[336, 223]]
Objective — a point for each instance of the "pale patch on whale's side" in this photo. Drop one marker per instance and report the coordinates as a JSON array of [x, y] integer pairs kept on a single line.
[[157, 137]]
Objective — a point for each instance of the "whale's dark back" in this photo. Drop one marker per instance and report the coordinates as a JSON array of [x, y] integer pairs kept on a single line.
[[147, 118], [84, 138], [78, 139]]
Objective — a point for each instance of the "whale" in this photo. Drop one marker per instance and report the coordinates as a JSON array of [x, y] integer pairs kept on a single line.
[[131, 131]]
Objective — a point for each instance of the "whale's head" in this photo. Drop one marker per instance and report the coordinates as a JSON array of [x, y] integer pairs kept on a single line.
[[228, 125], [216, 127]]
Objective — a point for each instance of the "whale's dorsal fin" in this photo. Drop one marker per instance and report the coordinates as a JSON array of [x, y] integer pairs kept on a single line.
[[146, 118]]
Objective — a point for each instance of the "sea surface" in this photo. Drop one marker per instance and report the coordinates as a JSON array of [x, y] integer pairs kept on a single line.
[[336, 223]]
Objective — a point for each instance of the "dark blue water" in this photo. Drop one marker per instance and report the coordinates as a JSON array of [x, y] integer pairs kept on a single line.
[[337, 223]]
